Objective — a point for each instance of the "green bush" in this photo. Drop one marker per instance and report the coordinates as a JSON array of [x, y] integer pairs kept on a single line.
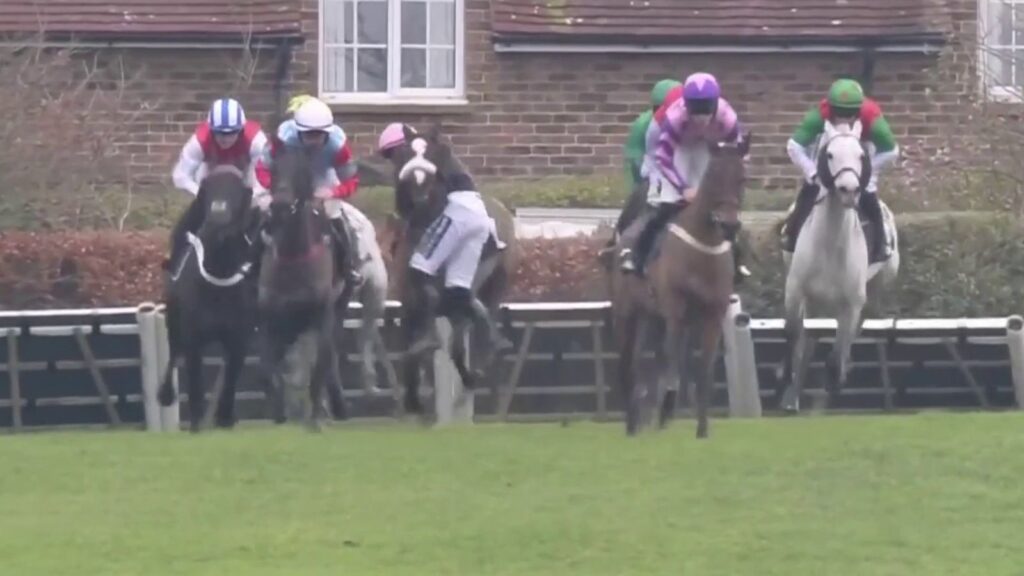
[[950, 265]]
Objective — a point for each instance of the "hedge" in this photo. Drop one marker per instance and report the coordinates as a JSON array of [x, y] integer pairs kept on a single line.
[[952, 265]]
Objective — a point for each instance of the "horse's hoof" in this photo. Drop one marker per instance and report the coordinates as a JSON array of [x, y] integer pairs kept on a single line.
[[166, 395], [226, 423], [501, 344]]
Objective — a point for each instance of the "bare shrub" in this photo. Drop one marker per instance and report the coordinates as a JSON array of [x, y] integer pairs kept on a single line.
[[978, 161], [65, 114]]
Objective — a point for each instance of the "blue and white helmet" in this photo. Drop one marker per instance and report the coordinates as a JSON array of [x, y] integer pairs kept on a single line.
[[226, 116]]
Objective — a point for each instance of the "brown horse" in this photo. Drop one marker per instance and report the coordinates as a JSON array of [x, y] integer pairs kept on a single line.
[[421, 191], [686, 290]]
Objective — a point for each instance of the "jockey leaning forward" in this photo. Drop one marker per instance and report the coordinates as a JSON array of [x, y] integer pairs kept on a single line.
[[845, 103], [701, 117], [335, 172], [452, 244], [224, 138]]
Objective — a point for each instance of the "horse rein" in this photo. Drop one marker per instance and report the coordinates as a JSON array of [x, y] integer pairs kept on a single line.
[[847, 169]]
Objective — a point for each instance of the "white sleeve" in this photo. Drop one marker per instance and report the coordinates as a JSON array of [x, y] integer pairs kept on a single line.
[[189, 162], [883, 159], [798, 154]]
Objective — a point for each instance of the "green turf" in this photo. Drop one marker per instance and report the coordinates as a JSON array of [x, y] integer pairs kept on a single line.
[[928, 494]]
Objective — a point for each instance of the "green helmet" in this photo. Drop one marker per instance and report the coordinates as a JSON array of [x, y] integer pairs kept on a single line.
[[661, 90], [846, 93]]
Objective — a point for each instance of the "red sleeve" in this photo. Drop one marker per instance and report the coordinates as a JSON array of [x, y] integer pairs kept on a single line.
[[869, 112], [343, 163], [262, 169], [263, 174]]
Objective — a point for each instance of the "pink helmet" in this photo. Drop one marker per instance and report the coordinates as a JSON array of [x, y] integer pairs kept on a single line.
[[392, 136]]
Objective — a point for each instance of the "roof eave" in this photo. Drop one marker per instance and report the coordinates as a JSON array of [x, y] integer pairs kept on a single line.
[[928, 42], [153, 40]]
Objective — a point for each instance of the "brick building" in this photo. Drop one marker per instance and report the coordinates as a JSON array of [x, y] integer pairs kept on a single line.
[[534, 88]]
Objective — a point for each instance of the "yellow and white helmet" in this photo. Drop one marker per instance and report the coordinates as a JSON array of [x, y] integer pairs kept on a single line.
[[313, 115]]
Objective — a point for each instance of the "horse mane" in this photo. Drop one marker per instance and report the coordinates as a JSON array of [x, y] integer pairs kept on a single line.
[[294, 164]]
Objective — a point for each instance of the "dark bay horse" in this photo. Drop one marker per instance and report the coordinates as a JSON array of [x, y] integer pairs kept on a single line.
[[299, 291], [423, 180], [686, 290], [210, 293]]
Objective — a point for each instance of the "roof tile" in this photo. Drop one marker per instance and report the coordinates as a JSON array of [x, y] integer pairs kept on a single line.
[[151, 18], [661, 21]]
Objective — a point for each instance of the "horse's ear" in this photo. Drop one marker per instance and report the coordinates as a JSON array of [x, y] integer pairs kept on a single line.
[[408, 133], [434, 134], [830, 130], [858, 128]]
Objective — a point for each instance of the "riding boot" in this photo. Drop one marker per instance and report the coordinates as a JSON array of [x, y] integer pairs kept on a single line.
[[873, 210], [636, 259], [423, 325], [804, 204]]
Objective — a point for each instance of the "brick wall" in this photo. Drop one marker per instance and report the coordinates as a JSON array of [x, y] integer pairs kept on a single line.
[[534, 115], [174, 89]]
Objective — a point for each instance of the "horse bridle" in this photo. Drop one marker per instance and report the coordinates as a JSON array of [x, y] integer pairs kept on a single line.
[[828, 179]]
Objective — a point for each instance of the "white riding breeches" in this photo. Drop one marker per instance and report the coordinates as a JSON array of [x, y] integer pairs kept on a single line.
[[455, 240], [692, 162]]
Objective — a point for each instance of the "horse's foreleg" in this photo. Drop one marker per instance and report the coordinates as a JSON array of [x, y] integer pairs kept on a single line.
[[411, 368], [368, 338], [838, 362], [791, 374], [271, 354], [627, 331], [674, 371], [166, 394], [196, 390], [711, 333], [235, 347]]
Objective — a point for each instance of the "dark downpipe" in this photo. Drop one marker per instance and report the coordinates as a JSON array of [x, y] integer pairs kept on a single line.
[[867, 73], [284, 60]]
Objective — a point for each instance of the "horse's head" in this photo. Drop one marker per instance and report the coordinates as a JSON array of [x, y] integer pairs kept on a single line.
[[723, 184], [844, 167], [225, 201], [292, 199], [420, 164]]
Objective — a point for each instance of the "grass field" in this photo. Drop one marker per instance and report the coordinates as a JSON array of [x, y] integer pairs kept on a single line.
[[928, 494]]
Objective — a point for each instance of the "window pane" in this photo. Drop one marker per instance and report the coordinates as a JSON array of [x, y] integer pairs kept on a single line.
[[414, 68], [442, 23], [414, 22], [373, 70], [334, 21], [338, 70], [999, 24], [372, 21], [999, 71], [350, 22], [442, 68], [1018, 24]]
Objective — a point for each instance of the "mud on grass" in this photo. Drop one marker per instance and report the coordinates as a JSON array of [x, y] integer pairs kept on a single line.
[[927, 494]]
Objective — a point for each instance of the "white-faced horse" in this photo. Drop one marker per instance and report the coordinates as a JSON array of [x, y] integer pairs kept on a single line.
[[829, 271]]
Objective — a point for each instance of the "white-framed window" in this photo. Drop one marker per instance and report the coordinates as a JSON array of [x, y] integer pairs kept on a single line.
[[1001, 48], [391, 51]]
